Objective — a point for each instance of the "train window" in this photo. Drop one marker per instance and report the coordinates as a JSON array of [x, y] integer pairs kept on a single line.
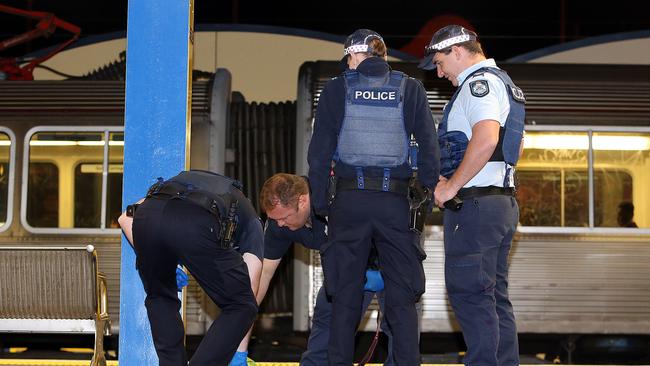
[[554, 183], [6, 168], [621, 171], [67, 186], [114, 183]]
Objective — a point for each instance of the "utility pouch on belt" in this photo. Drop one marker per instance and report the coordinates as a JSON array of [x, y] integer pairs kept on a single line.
[[419, 206]]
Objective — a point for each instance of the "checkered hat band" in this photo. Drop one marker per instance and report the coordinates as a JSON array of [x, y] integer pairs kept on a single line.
[[355, 49], [450, 42]]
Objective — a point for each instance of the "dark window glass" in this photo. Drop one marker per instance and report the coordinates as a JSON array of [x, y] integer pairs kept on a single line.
[[43, 188], [5, 151], [87, 195], [114, 186]]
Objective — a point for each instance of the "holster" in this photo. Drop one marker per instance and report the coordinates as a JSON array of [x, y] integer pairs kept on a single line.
[[419, 206]]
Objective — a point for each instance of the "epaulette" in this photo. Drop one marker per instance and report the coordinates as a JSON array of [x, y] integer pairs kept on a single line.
[[478, 74], [417, 81]]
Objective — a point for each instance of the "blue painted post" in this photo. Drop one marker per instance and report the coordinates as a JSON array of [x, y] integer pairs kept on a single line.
[[156, 138]]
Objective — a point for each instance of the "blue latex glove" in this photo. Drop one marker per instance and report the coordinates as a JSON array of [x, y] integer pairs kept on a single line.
[[374, 281], [239, 359], [181, 278]]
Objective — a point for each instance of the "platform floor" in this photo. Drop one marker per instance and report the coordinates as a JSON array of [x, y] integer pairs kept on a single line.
[[278, 342], [115, 363]]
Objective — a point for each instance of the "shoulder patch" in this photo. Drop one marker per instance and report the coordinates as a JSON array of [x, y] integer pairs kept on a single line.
[[479, 88], [518, 94]]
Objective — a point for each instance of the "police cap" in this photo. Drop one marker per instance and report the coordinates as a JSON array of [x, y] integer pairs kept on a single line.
[[444, 38], [359, 41]]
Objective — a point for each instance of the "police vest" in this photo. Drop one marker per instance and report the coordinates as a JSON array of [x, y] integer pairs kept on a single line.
[[372, 132], [454, 143]]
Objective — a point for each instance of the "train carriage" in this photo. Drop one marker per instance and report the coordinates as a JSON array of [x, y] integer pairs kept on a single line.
[[574, 270], [61, 165]]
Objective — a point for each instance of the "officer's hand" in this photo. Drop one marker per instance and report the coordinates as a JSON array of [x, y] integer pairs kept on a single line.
[[181, 278], [241, 359], [444, 192], [374, 281]]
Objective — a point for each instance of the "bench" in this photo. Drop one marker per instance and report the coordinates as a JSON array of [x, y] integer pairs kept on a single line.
[[54, 290]]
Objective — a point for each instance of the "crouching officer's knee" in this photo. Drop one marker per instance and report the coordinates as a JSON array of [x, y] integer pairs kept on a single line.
[[249, 310]]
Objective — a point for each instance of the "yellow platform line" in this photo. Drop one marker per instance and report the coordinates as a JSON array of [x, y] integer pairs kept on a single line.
[[17, 362], [11, 362], [6, 362]]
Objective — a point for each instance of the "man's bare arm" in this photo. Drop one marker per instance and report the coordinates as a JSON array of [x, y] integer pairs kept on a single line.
[[268, 268]]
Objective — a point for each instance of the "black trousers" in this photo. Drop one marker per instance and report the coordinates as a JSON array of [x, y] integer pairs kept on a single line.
[[357, 218], [169, 232]]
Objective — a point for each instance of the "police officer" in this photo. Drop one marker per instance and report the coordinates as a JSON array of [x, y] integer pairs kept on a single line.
[[203, 221], [480, 141], [363, 123], [286, 200]]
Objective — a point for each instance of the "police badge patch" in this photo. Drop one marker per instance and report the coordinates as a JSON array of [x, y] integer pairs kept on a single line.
[[479, 88]]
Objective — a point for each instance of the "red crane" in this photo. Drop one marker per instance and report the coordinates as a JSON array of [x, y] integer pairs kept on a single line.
[[10, 68]]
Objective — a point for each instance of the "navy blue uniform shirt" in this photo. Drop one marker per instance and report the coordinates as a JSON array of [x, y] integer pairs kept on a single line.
[[329, 116], [278, 239], [248, 236]]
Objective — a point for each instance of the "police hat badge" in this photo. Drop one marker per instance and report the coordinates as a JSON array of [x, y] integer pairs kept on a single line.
[[479, 88]]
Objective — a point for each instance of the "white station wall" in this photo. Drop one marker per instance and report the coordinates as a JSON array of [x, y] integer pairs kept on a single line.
[[624, 52], [264, 66]]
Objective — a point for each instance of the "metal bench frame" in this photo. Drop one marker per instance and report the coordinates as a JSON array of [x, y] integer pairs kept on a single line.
[[35, 317]]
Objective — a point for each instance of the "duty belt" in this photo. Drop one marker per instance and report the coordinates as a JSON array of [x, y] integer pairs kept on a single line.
[[170, 190], [173, 189], [471, 192], [373, 184]]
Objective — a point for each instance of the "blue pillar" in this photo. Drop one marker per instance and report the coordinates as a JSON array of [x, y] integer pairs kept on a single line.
[[156, 138]]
